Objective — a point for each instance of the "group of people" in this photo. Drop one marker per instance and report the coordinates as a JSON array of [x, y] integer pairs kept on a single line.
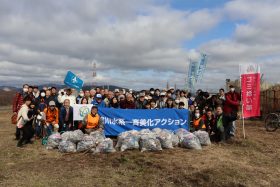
[[41, 112]]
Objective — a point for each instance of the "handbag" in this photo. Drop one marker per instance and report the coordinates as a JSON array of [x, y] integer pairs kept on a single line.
[[14, 119]]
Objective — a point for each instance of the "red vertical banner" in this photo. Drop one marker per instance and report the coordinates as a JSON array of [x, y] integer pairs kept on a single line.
[[250, 89]]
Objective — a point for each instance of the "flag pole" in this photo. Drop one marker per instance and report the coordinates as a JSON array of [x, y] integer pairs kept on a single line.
[[243, 121], [242, 105]]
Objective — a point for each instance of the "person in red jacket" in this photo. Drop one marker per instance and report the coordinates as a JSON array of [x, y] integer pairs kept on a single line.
[[17, 103], [231, 106], [128, 103]]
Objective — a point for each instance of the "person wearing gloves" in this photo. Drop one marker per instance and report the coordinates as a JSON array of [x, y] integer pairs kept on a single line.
[[92, 121], [198, 123], [52, 116], [69, 96], [22, 122]]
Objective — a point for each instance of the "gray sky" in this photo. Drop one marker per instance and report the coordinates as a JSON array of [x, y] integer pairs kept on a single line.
[[136, 44]]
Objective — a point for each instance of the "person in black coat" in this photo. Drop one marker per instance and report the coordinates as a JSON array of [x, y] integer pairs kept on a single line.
[[222, 125], [66, 116]]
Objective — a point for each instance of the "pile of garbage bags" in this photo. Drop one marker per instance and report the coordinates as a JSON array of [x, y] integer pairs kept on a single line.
[[144, 140]]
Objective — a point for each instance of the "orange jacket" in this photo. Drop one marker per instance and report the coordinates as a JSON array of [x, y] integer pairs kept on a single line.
[[51, 116], [92, 122], [198, 124]]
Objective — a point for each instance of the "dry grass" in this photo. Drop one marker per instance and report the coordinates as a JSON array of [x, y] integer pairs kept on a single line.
[[251, 162]]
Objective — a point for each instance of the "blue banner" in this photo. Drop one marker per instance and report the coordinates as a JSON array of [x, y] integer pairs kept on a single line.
[[73, 81], [120, 120], [193, 67], [201, 67]]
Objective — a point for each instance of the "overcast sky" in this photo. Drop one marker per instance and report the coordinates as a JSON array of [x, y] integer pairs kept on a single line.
[[136, 43]]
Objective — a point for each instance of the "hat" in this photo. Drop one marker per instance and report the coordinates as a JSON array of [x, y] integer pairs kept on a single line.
[[141, 95], [117, 90], [171, 88], [162, 94], [51, 103], [98, 96], [94, 106]]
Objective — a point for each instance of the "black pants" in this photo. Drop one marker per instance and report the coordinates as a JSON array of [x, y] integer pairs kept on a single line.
[[17, 133], [27, 133]]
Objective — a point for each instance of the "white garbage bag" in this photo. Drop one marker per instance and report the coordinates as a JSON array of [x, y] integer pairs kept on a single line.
[[73, 136], [190, 141], [53, 141], [87, 143], [98, 136], [104, 147], [149, 142], [203, 137], [66, 146], [165, 138]]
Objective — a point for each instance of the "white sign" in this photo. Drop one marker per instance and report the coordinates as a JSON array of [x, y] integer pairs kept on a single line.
[[80, 111]]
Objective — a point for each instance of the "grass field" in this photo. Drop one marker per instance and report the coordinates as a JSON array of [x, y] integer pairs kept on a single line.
[[254, 161]]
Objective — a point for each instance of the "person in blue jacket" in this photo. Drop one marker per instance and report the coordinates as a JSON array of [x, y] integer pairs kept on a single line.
[[98, 101]]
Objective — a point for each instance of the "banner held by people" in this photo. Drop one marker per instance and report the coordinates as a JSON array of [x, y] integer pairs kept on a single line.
[[117, 121]]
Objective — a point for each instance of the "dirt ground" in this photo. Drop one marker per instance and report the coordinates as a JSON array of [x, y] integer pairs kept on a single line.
[[254, 161]]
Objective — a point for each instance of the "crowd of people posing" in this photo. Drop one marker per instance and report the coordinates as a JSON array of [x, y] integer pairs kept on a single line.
[[40, 112]]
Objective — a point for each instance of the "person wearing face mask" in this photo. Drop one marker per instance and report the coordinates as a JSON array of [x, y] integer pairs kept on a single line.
[[52, 118], [41, 101], [80, 96], [66, 117], [198, 123], [17, 103], [152, 92], [231, 106]]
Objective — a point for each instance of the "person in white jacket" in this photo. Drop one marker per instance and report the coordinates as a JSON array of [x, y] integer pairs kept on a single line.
[[184, 99], [69, 96], [22, 120]]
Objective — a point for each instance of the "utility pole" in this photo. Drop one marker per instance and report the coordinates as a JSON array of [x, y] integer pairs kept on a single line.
[[93, 72]]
